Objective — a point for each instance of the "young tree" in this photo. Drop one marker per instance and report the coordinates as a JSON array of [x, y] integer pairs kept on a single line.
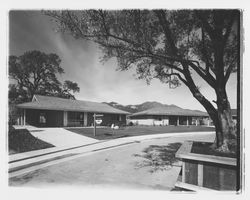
[[35, 73], [170, 46]]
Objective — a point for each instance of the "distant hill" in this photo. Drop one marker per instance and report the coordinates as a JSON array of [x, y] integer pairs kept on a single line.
[[139, 107]]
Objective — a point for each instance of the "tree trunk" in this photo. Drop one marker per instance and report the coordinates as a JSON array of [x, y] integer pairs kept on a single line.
[[221, 116], [224, 124]]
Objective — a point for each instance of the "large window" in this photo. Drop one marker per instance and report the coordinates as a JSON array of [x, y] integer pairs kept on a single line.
[[75, 119]]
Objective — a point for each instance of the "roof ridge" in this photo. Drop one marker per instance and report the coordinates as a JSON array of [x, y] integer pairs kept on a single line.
[[70, 99], [169, 110]]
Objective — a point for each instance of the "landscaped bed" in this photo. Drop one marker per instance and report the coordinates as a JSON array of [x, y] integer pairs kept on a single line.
[[206, 169], [21, 140], [205, 148], [108, 133]]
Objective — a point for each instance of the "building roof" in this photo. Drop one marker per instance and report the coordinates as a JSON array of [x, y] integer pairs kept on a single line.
[[171, 110], [55, 103]]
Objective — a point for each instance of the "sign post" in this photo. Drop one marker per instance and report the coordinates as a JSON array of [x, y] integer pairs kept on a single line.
[[94, 125], [96, 121]]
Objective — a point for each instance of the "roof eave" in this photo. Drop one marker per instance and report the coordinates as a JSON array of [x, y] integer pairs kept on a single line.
[[72, 110]]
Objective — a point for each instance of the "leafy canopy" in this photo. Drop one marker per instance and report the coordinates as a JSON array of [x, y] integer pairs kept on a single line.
[[35, 73], [159, 42]]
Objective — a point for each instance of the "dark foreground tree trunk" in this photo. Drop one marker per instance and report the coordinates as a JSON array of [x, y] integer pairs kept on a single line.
[[224, 125], [222, 118]]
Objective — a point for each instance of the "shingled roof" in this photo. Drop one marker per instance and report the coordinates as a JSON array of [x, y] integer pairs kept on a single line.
[[55, 103], [171, 110]]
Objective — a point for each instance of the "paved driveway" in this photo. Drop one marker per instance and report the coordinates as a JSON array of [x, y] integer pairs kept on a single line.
[[60, 137], [123, 167]]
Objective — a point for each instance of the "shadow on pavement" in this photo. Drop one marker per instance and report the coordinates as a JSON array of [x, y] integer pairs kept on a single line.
[[158, 157]]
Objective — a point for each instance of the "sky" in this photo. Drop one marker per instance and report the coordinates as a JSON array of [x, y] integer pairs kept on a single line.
[[100, 82]]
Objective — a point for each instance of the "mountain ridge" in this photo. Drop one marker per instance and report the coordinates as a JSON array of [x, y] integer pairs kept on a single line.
[[140, 107]]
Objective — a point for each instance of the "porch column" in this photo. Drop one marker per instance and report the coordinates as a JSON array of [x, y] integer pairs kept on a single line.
[[178, 121], [208, 122], [21, 119], [85, 119], [187, 121], [65, 118], [196, 122], [167, 121], [24, 117], [200, 175]]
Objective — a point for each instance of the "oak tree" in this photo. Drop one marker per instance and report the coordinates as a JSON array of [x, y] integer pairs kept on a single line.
[[171, 45], [36, 72]]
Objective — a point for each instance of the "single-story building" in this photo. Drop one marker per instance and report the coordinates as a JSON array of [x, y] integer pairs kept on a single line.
[[170, 115], [47, 111]]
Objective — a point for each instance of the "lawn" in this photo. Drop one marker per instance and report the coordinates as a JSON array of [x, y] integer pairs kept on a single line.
[[108, 133], [21, 140]]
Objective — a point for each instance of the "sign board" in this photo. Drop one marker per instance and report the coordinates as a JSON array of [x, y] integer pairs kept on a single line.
[[98, 121]]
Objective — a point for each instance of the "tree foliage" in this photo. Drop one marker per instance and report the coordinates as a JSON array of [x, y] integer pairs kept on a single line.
[[169, 45], [155, 41], [67, 89], [35, 73]]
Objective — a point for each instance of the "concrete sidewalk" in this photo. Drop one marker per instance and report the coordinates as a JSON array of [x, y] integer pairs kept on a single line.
[[59, 137], [21, 164]]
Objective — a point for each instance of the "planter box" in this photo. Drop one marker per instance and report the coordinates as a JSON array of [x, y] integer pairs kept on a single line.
[[206, 172]]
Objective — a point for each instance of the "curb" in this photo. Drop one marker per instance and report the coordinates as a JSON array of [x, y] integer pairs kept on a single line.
[[51, 161]]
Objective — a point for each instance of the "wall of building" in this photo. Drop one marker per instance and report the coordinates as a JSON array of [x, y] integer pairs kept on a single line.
[[52, 118], [74, 119], [167, 120], [149, 122], [142, 121]]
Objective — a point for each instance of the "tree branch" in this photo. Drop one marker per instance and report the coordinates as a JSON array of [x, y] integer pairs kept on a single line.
[[205, 24], [206, 76], [228, 72], [180, 77], [204, 51], [197, 94], [141, 51], [165, 26], [229, 26], [108, 34]]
